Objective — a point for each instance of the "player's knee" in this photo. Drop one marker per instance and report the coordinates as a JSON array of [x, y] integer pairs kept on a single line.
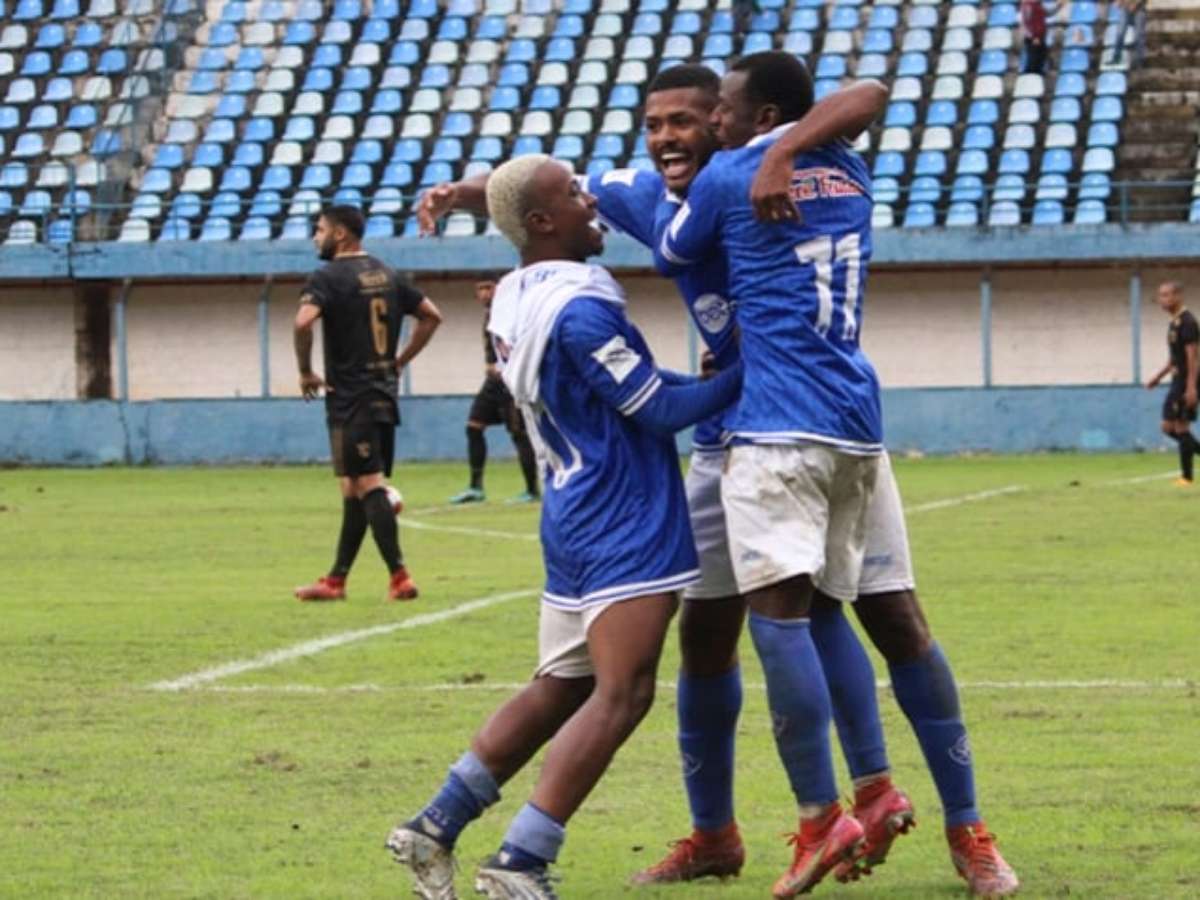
[[627, 701], [708, 635], [896, 625]]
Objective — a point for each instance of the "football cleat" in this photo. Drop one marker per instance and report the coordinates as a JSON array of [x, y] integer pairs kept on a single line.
[[470, 495], [327, 587], [823, 843], [495, 881], [975, 857], [1183, 482], [432, 864], [706, 853], [401, 587], [395, 498], [884, 812]]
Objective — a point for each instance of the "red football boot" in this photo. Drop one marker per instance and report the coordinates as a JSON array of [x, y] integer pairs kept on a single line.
[[717, 853], [327, 587], [884, 812], [401, 587], [823, 843], [975, 857]]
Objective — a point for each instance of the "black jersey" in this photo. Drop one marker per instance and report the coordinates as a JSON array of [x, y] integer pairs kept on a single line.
[[1182, 331], [362, 304]]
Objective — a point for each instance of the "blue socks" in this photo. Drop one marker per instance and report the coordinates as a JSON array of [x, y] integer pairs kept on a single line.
[[926, 692], [851, 680], [533, 839], [708, 709], [469, 789], [800, 708]]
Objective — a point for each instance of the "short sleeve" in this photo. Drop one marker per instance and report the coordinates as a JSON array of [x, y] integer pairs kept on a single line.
[[316, 290], [695, 230], [1189, 330], [626, 199], [410, 297], [609, 353]]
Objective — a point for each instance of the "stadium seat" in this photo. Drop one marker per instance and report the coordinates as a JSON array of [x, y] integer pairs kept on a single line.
[[896, 139], [134, 231], [1064, 109], [1009, 188], [1029, 85], [1070, 84], [1095, 186], [1019, 137], [972, 162], [1111, 83], [1098, 159], [1047, 212], [967, 188], [1107, 109], [1057, 161], [1102, 134], [882, 216], [925, 189], [1051, 186], [919, 215], [888, 165], [978, 137], [912, 65]]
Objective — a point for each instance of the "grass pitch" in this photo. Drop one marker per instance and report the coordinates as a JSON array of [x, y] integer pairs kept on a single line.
[[1065, 595]]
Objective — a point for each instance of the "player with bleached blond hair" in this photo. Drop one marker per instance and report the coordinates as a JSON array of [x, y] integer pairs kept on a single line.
[[616, 538]]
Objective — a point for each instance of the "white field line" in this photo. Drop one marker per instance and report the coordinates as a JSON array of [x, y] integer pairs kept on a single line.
[[1105, 684], [1139, 479], [320, 645], [475, 532], [967, 498]]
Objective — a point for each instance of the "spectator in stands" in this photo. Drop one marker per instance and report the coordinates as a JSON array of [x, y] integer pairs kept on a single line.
[[1033, 34], [1132, 12]]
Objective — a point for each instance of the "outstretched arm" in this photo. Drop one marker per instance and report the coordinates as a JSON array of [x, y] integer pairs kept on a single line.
[[439, 200], [843, 115]]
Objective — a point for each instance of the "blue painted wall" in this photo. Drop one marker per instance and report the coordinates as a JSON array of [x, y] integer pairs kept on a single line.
[[177, 432]]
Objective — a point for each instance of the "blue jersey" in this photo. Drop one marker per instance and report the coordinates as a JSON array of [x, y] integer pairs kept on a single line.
[[799, 290], [638, 203], [614, 519]]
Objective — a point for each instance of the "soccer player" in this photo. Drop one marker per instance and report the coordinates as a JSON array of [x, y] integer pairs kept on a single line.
[[616, 540], [680, 104], [360, 302], [807, 454], [493, 405], [1179, 409]]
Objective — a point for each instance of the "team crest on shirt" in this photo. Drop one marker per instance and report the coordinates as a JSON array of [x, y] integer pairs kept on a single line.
[[617, 358], [712, 312], [823, 182], [363, 448]]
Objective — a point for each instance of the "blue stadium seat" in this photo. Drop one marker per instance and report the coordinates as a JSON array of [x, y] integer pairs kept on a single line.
[[376, 31], [992, 62], [407, 150], [250, 154], [912, 64], [266, 203], [526, 144], [718, 45], [886, 190], [883, 17], [979, 137], [513, 75], [60, 231], [347, 103], [1009, 187], [900, 114], [167, 156], [1070, 84], [231, 106], [766, 21], [274, 178], [65, 9], [967, 188], [560, 50], [225, 205], [599, 165], [106, 142], [298, 128], [570, 27], [435, 75], [203, 82], [272, 11], [74, 62], [236, 179], [397, 174], [803, 19], [1095, 186], [972, 162], [888, 164], [255, 228], [330, 55], [843, 18], [347, 9], [258, 129], [1111, 83], [521, 50], [211, 60], [27, 10], [50, 36], [211, 155], [830, 67], [1102, 134], [88, 35], [487, 149], [175, 229], [452, 28], [457, 124], [14, 175], [1047, 212], [1051, 186], [1064, 109], [250, 59], [299, 34], [491, 28], [1013, 161], [436, 173], [1082, 13], [941, 113], [1057, 160], [220, 131], [185, 206], [823, 87], [234, 12], [316, 177], [983, 112], [609, 145], [112, 62], [36, 64], [156, 181], [1002, 15], [925, 189], [567, 146], [447, 149], [1091, 212], [877, 41], [962, 214], [423, 9], [930, 162], [686, 23], [10, 118], [296, 228], [1098, 159], [357, 175], [919, 215], [380, 227], [757, 42], [222, 35], [1074, 59], [624, 96], [41, 117], [1107, 109], [368, 152]]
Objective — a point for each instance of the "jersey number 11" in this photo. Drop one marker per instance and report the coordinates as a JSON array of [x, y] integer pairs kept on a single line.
[[823, 254]]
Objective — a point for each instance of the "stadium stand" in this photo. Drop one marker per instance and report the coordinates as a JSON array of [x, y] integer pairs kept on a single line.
[[236, 119]]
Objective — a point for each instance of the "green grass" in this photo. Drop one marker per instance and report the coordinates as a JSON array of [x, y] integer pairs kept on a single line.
[[280, 782]]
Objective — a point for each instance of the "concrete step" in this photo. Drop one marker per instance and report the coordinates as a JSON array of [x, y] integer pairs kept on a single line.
[[1146, 96], [1145, 129], [1167, 80], [1163, 154]]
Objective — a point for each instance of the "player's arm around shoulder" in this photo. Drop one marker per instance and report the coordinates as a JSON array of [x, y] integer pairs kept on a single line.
[[843, 115], [695, 231]]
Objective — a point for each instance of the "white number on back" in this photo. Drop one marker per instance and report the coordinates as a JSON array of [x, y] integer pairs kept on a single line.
[[822, 253]]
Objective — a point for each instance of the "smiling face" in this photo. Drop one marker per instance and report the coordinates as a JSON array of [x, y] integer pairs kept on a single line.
[[561, 222], [679, 133]]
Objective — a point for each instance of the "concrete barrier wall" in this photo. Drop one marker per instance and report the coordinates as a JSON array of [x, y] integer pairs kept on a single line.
[[180, 432]]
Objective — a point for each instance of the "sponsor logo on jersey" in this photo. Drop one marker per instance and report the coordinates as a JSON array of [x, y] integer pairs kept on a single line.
[[819, 183]]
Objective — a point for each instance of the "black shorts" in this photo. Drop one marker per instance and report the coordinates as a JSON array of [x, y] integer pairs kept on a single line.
[[362, 445], [494, 405], [1173, 409]]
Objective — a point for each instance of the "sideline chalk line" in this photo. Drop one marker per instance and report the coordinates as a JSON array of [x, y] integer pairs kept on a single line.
[[320, 645]]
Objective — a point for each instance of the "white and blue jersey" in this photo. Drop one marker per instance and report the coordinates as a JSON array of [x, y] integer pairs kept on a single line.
[[614, 518], [799, 287], [638, 203]]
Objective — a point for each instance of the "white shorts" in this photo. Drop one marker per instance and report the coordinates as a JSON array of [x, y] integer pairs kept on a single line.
[[887, 562], [703, 484], [798, 510]]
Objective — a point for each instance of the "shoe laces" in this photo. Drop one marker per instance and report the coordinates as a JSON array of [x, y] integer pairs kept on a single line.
[[979, 847], [682, 851]]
